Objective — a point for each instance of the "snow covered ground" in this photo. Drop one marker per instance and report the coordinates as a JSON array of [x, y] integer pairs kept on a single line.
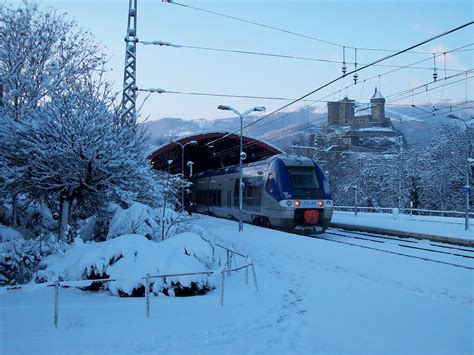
[[315, 297], [438, 226]]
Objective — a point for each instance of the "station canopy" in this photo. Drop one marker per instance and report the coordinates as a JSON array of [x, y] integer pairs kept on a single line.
[[211, 150]]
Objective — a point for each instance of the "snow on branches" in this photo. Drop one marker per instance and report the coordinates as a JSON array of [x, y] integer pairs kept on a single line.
[[59, 140]]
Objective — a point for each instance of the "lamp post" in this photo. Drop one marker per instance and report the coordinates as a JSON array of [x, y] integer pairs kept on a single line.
[[242, 155], [169, 161], [182, 165], [467, 188]]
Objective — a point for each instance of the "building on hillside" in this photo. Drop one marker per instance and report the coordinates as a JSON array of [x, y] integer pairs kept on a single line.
[[361, 133], [343, 113]]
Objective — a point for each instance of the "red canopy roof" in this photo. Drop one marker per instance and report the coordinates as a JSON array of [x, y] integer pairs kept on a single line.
[[211, 151]]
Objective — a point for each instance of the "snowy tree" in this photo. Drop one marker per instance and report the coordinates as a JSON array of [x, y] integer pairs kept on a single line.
[[41, 55], [443, 170], [78, 155]]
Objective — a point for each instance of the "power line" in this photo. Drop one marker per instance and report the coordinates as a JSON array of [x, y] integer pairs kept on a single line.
[[410, 95], [288, 31], [276, 55], [351, 72], [404, 92], [163, 91], [255, 23], [392, 71]]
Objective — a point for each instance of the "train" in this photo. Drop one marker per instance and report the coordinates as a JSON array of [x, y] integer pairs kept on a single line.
[[285, 192]]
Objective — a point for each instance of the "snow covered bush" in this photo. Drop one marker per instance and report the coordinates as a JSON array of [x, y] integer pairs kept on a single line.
[[20, 258], [155, 224], [129, 258]]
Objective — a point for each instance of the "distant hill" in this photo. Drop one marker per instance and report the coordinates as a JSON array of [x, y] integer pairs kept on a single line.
[[283, 128]]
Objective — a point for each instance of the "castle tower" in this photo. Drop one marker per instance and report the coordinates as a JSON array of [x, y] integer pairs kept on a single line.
[[346, 111], [341, 112], [378, 107], [333, 112]]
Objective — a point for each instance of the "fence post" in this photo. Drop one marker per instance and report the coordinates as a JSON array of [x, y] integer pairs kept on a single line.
[[246, 271], [147, 295], [222, 287], [56, 296], [254, 277]]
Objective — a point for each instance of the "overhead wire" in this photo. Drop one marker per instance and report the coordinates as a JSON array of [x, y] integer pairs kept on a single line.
[[395, 70], [163, 91], [287, 31], [444, 85], [276, 55], [357, 70]]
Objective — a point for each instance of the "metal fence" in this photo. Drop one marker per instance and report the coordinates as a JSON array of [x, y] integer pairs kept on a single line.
[[85, 283], [406, 211]]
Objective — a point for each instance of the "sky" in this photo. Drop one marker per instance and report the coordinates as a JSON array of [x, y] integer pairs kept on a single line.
[[363, 24]]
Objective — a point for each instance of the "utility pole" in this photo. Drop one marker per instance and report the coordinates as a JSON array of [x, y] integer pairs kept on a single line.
[[129, 93], [400, 176]]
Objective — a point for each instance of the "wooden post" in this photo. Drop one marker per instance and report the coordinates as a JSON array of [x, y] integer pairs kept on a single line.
[[222, 288], [254, 277], [147, 295], [56, 296]]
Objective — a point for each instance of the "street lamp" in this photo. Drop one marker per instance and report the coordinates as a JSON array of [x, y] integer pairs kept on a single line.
[[242, 155], [182, 165], [467, 188], [190, 166]]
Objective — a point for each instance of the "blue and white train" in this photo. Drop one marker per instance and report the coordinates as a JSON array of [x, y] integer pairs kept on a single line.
[[286, 192]]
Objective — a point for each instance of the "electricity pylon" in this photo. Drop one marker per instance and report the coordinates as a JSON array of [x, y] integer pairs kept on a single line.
[[129, 93]]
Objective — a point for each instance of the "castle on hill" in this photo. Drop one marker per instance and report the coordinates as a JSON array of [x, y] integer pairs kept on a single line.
[[343, 113]]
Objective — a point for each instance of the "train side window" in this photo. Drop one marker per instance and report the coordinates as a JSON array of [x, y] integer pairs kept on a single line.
[[248, 187]]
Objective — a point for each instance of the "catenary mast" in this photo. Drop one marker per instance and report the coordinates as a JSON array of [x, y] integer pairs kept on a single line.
[[129, 94]]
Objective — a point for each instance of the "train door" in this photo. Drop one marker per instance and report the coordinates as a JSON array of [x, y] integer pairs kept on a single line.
[[236, 194], [229, 185]]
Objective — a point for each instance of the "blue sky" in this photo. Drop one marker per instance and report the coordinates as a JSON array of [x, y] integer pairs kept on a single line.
[[369, 24]]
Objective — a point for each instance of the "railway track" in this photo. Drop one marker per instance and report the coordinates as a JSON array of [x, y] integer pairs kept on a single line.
[[461, 257]]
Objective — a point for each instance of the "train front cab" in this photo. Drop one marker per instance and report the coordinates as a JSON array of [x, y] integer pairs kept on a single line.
[[297, 195]]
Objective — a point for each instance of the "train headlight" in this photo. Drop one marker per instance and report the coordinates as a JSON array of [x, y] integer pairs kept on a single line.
[[321, 203], [297, 203], [289, 203]]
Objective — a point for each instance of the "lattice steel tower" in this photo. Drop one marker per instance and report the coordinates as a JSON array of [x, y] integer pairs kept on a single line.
[[129, 94]]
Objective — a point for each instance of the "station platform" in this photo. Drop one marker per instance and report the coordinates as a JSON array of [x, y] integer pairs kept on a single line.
[[437, 229]]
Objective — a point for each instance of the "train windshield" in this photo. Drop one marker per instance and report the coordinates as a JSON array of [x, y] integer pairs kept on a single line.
[[303, 178]]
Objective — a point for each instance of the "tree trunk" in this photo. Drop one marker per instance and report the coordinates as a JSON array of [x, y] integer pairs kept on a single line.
[[15, 210], [65, 212]]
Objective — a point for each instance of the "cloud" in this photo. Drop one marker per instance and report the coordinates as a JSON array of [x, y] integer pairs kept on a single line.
[[452, 60]]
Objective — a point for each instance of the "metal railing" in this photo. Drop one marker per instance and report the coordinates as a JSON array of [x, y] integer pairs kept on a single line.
[[405, 211], [86, 283]]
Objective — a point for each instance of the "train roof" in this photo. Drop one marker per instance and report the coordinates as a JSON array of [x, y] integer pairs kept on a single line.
[[287, 159]]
